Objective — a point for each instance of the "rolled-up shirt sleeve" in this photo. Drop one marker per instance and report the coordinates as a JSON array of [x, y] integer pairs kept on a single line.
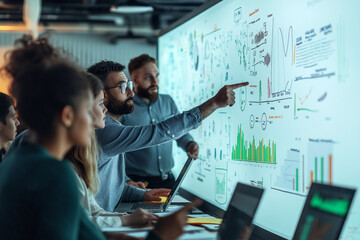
[[118, 138]]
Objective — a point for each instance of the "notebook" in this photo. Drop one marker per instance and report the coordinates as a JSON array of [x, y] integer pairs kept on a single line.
[[157, 207], [237, 220]]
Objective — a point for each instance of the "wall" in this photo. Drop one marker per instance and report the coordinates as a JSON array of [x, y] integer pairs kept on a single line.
[[85, 48]]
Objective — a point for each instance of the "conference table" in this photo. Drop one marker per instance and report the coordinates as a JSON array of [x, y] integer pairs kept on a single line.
[[191, 232]]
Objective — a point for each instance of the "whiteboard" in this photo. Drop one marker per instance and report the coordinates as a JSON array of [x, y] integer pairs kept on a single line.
[[297, 121]]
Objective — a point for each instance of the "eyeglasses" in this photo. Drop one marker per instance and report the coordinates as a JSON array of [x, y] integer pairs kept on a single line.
[[122, 86]]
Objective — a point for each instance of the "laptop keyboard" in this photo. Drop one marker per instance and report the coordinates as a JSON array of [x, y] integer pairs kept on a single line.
[[147, 205]]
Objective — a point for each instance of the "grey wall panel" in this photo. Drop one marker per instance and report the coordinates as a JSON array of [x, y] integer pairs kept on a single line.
[[87, 49]]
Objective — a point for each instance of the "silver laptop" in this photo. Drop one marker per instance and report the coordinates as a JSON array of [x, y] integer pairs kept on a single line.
[[157, 207]]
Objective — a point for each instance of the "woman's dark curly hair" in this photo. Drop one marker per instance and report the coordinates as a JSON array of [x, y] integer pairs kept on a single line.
[[44, 81]]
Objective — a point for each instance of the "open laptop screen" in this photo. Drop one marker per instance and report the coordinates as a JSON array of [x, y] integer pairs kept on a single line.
[[324, 213], [240, 213], [178, 182]]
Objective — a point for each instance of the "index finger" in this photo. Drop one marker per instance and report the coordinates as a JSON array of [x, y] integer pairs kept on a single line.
[[195, 203], [237, 85]]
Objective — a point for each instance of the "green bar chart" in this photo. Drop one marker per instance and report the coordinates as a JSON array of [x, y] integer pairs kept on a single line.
[[253, 151]]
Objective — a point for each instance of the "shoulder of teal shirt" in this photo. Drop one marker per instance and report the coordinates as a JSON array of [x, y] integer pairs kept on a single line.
[[52, 190]]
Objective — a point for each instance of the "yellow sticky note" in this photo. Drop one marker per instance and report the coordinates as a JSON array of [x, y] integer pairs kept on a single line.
[[163, 199], [204, 220]]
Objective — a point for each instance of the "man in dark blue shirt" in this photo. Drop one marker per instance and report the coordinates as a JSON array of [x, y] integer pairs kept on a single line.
[[153, 164]]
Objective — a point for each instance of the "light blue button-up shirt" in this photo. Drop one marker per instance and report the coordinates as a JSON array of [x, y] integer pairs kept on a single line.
[[157, 160], [116, 139]]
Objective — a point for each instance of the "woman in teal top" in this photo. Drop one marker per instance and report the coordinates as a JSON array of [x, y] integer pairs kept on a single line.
[[39, 198]]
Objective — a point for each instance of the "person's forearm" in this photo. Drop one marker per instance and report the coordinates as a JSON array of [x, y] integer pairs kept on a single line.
[[224, 97], [111, 221], [208, 108]]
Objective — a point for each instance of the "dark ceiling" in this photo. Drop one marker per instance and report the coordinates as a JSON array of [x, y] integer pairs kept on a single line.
[[98, 12]]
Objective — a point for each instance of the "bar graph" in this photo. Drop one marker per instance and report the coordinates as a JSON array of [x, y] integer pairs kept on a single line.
[[253, 151], [318, 175], [320, 162]]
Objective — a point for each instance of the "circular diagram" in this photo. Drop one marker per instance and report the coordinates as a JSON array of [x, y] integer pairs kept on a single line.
[[263, 121]]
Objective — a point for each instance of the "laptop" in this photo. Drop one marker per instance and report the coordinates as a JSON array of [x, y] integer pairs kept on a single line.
[[237, 220], [324, 213], [157, 207]]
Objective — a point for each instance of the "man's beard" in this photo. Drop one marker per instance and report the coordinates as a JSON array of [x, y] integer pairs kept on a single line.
[[145, 93], [115, 107]]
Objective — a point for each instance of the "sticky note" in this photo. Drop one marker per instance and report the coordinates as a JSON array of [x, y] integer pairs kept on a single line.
[[163, 199], [204, 220]]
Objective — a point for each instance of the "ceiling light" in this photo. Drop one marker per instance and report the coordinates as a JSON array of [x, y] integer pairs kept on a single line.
[[131, 9]]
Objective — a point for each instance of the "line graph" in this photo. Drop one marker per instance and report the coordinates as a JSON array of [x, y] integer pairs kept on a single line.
[[283, 84]]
